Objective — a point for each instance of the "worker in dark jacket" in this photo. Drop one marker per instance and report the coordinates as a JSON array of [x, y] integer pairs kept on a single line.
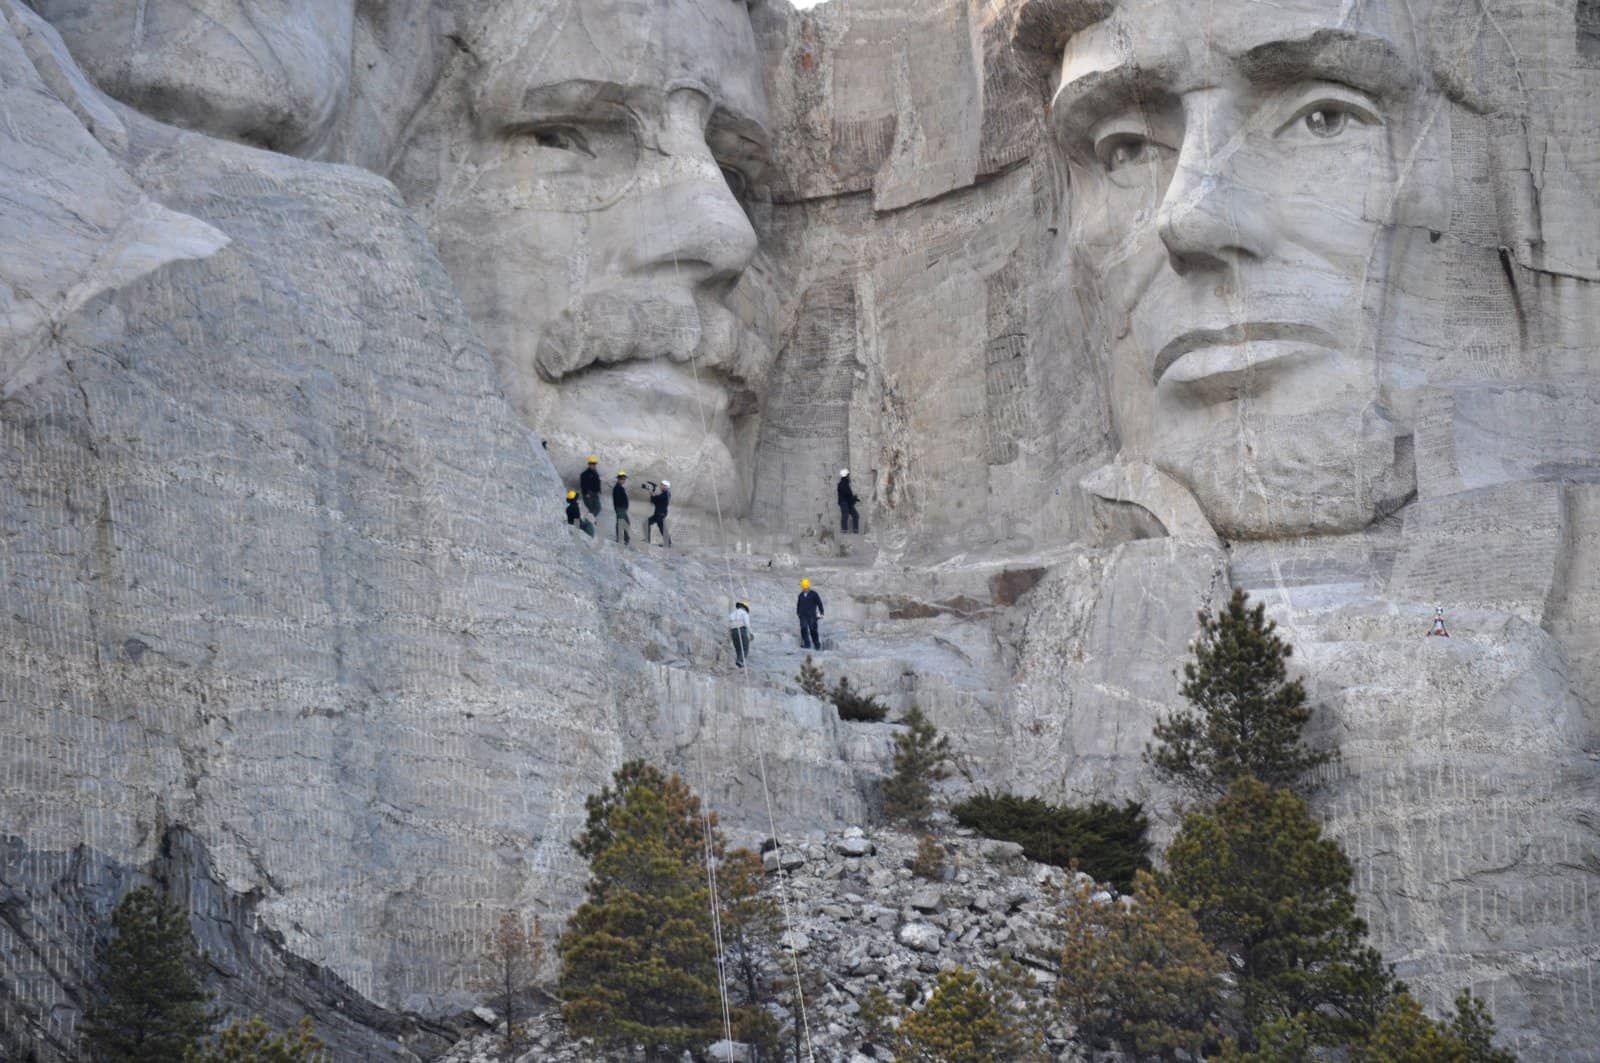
[[589, 485], [619, 505], [808, 607], [575, 515], [660, 498], [849, 519]]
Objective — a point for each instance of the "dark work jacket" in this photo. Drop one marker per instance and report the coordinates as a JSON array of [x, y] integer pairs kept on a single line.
[[589, 482], [572, 511], [661, 500], [809, 605], [847, 497], [619, 498]]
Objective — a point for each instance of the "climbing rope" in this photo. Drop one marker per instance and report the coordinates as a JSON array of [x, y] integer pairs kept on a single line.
[[789, 938]]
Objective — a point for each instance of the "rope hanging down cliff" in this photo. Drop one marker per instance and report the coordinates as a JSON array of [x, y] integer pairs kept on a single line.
[[761, 753]]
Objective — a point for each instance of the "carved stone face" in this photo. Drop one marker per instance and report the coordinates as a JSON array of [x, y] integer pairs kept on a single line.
[[582, 174], [273, 73], [1241, 176]]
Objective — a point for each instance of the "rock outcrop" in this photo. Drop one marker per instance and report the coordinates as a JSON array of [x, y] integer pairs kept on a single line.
[[290, 620]]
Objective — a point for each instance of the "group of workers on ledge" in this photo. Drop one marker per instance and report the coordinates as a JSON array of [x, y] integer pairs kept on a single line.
[[808, 607], [589, 488], [661, 499]]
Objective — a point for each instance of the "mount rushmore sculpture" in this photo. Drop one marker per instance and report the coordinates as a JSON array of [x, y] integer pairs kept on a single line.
[[1107, 305]]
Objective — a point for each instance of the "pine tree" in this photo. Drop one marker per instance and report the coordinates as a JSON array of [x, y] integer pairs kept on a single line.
[[751, 929], [638, 956], [514, 955], [921, 758], [1248, 713], [962, 1023], [812, 681], [1405, 1035], [252, 1042], [1140, 976], [1272, 894], [155, 1006]]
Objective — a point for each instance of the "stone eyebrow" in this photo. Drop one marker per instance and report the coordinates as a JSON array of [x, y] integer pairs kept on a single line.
[[574, 98], [1363, 61], [1083, 101]]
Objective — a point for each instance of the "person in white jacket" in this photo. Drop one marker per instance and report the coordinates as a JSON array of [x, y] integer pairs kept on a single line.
[[739, 630]]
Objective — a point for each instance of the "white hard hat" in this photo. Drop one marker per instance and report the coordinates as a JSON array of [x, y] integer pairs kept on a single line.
[[844, 472], [666, 483]]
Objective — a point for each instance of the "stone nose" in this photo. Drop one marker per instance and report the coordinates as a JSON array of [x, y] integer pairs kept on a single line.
[[690, 223], [1211, 218]]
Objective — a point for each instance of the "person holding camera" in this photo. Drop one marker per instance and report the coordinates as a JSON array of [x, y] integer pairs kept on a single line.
[[660, 498]]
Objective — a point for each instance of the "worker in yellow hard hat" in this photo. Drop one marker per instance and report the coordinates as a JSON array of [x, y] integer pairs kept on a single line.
[[619, 506], [808, 608], [589, 485], [575, 515]]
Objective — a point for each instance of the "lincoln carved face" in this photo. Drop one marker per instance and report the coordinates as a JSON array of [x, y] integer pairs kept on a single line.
[[273, 73], [585, 172], [1243, 177]]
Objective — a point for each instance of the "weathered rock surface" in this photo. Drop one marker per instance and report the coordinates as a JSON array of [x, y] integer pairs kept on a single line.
[[290, 622]]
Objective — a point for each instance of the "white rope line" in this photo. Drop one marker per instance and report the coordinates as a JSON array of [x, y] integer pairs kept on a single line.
[[716, 902], [744, 680]]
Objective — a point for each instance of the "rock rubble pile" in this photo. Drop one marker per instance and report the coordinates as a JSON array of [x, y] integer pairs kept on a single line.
[[862, 919]]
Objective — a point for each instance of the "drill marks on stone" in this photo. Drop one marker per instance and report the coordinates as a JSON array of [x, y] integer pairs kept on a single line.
[[1498, 548], [1005, 363], [804, 429], [334, 593]]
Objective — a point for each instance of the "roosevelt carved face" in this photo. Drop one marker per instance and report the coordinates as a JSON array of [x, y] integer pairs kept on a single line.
[[273, 73], [584, 174], [1242, 178]]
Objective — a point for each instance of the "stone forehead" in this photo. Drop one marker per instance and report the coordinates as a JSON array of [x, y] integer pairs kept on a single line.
[[1190, 43], [1145, 27], [522, 45]]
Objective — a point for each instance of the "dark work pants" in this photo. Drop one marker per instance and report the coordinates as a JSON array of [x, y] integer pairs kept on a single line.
[[623, 526], [809, 639], [660, 522], [741, 644], [849, 519], [591, 502]]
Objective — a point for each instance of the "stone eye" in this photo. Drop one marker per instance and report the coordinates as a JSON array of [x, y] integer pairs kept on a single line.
[[1122, 151], [738, 184], [1327, 121], [561, 138]]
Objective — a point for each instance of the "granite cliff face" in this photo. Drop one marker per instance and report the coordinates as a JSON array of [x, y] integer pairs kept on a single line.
[[292, 624]]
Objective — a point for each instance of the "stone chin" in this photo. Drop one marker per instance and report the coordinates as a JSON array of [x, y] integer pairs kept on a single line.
[[1317, 473], [656, 420], [648, 379]]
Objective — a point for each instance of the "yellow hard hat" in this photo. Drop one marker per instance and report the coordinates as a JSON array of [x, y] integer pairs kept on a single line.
[[622, 476], [805, 584], [594, 461], [571, 495]]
